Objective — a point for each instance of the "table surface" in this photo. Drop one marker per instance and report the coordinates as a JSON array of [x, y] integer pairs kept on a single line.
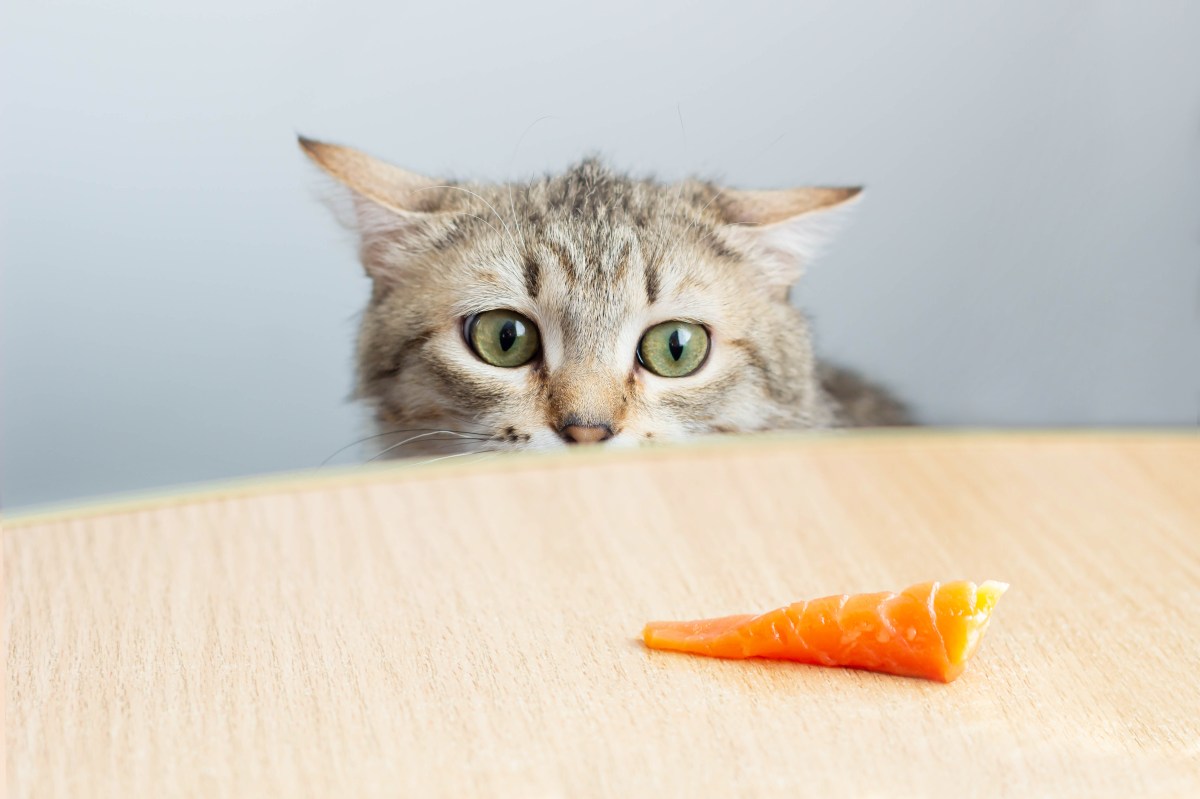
[[473, 630]]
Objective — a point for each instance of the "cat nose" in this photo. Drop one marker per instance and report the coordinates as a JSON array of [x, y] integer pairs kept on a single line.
[[585, 433]]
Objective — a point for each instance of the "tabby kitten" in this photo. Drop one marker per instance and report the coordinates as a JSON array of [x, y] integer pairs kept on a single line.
[[588, 307]]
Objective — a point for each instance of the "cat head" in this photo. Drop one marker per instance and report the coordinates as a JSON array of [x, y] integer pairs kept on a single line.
[[581, 307]]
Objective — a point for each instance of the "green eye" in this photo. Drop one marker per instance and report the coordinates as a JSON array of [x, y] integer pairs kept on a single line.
[[673, 349], [503, 338]]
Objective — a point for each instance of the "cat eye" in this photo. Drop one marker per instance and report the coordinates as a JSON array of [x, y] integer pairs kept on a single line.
[[503, 338], [673, 349]]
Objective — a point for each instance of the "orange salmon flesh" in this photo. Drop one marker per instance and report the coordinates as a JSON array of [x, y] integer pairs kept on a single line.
[[927, 630]]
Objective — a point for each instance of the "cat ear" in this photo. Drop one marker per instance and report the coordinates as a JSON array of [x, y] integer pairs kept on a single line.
[[397, 213], [786, 229]]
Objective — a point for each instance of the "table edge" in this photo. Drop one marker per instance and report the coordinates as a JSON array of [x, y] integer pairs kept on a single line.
[[416, 469]]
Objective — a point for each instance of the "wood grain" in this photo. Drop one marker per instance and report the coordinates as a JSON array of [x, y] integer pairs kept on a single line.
[[434, 632]]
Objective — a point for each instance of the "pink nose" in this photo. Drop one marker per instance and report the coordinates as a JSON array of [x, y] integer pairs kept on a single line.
[[585, 433]]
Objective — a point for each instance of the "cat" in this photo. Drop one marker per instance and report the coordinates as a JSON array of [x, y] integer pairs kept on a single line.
[[588, 307]]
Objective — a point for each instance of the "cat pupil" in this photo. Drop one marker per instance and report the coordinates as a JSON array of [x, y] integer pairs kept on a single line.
[[508, 335], [675, 345]]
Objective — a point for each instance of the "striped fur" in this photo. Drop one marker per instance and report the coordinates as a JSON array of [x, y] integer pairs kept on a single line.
[[594, 258]]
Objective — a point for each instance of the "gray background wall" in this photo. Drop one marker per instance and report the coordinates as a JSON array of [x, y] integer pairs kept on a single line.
[[177, 306]]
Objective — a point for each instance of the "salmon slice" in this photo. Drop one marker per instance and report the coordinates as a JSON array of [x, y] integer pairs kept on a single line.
[[927, 630]]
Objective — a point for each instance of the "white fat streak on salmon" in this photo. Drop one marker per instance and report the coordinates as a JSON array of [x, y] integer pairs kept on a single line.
[[887, 629], [825, 658], [784, 635], [747, 639], [795, 616], [783, 631]]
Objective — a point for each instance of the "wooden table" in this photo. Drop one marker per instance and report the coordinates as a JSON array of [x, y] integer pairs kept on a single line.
[[472, 630]]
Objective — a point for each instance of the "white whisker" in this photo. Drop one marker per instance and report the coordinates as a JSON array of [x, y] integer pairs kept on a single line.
[[478, 436], [485, 202], [484, 453], [480, 218], [682, 130], [511, 206], [383, 452], [516, 222]]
